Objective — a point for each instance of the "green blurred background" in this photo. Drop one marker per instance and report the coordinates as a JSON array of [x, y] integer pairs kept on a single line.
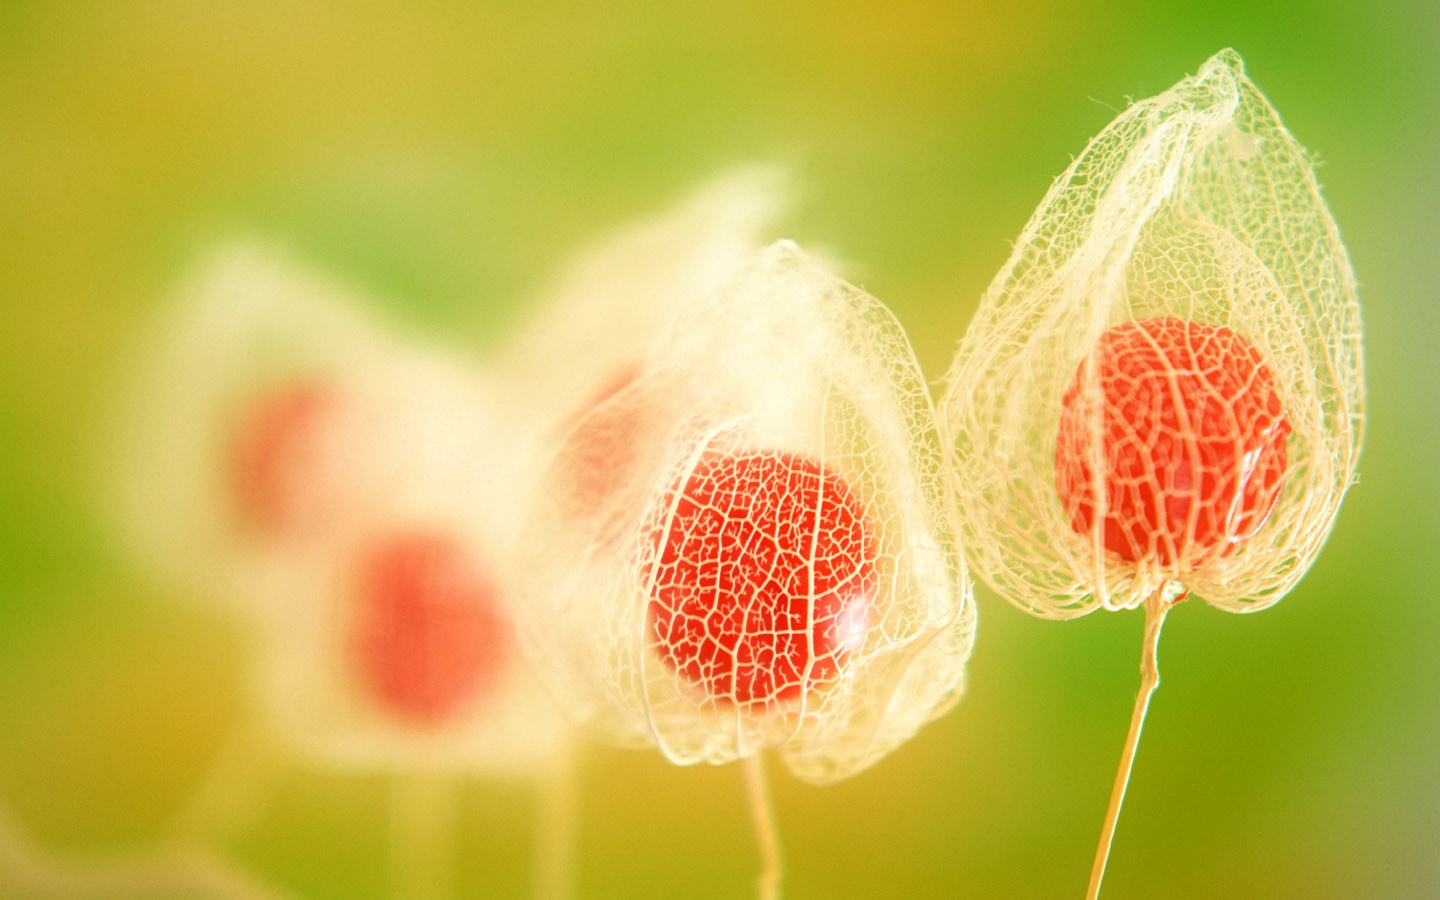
[[449, 156]]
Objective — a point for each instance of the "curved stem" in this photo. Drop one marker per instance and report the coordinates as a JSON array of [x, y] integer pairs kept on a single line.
[[1155, 609], [767, 833]]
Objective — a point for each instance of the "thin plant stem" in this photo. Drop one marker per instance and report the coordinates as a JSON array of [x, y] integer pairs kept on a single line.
[[1155, 609], [421, 822], [227, 798], [767, 832], [556, 823]]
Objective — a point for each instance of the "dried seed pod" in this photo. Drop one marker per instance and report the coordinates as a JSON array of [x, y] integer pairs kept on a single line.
[[231, 441], [1162, 389], [765, 575], [1161, 393], [388, 639], [775, 564], [616, 295], [342, 490]]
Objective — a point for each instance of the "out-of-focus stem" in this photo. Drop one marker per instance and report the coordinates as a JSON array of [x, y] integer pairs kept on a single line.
[[421, 820], [555, 829], [228, 797]]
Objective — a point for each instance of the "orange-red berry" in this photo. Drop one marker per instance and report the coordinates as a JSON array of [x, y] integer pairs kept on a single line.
[[428, 637], [765, 578], [1189, 436]]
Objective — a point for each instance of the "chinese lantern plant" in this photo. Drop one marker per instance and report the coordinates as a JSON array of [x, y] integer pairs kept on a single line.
[[429, 637], [237, 441], [620, 292], [775, 568], [380, 488], [593, 324], [1161, 393], [342, 487], [388, 645]]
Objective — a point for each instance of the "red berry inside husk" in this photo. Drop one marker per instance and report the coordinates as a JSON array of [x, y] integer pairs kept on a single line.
[[599, 453], [1191, 442], [429, 639], [766, 576], [276, 454]]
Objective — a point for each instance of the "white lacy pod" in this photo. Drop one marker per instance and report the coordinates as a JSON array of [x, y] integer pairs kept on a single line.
[[393, 646], [618, 294], [400, 655], [238, 350], [750, 544], [343, 491], [1194, 217]]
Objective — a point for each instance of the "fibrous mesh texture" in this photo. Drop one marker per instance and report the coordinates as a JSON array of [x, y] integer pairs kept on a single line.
[[1189, 436], [773, 561], [1196, 205], [765, 573]]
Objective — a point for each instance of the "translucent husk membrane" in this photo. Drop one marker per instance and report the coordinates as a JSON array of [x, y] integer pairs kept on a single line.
[[786, 362], [410, 448], [613, 298], [246, 322], [1196, 204]]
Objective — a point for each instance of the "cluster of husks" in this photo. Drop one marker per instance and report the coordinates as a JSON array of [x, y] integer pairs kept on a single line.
[[741, 536], [709, 485], [315, 472]]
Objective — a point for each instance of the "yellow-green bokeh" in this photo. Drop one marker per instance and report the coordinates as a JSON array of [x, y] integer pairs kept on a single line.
[[447, 157]]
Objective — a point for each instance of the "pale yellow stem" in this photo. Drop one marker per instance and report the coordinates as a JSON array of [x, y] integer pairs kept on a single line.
[[1155, 609], [767, 833], [555, 830], [421, 820], [228, 798]]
